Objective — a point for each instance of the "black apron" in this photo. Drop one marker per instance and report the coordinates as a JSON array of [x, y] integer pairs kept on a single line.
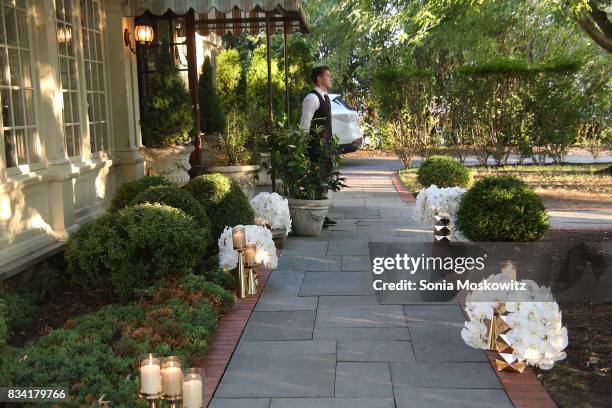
[[321, 118]]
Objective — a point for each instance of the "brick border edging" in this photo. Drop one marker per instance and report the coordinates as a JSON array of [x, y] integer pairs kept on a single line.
[[524, 390], [224, 340], [405, 194]]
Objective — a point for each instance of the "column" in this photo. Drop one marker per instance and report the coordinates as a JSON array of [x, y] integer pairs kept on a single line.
[[123, 94]]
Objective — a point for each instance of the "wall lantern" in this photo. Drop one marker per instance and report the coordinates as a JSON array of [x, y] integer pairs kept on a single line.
[[64, 35], [143, 34]]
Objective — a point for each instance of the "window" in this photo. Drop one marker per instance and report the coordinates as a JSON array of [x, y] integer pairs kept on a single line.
[[16, 92], [94, 74], [68, 76]]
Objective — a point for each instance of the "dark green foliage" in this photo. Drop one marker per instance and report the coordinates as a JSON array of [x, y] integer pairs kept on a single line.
[[217, 296], [127, 250], [167, 117], [305, 176], [19, 309], [222, 278], [443, 171], [224, 201], [177, 198], [98, 353], [128, 191], [500, 209], [4, 324], [212, 118]]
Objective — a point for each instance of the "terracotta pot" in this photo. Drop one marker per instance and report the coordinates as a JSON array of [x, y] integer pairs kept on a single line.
[[307, 216], [172, 163], [245, 176]]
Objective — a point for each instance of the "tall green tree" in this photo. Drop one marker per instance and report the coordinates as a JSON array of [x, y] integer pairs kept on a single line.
[[167, 117], [212, 117]]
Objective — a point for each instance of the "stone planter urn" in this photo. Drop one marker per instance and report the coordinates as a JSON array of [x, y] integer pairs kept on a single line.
[[245, 176], [279, 235], [307, 216], [265, 178], [172, 163]]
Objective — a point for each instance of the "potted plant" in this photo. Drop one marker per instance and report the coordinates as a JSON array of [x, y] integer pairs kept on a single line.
[[167, 122], [212, 116], [238, 153], [306, 183]]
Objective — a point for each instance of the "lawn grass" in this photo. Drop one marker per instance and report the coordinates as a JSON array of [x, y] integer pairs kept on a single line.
[[584, 178]]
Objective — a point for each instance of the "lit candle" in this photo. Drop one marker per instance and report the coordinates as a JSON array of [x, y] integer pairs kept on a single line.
[[193, 391], [172, 376], [238, 237], [250, 254], [150, 376]]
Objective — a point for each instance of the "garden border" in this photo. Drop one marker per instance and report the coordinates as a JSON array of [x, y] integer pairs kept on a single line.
[[524, 390], [225, 338]]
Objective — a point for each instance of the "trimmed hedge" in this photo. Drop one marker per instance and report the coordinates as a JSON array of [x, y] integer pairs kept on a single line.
[[223, 200], [97, 353], [500, 209], [177, 198], [127, 191], [443, 171], [130, 249]]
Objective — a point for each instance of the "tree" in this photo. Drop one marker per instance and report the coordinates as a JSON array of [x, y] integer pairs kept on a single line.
[[212, 118], [229, 74], [167, 117]]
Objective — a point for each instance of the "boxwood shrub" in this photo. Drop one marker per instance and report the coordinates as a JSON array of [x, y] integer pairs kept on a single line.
[[443, 171], [127, 191], [177, 198], [223, 200], [133, 247], [502, 208]]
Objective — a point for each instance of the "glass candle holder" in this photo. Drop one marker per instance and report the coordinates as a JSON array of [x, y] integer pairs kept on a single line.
[[150, 376], [172, 378], [239, 237], [193, 388], [250, 255]]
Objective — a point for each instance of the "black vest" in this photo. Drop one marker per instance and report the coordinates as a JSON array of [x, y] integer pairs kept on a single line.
[[322, 118]]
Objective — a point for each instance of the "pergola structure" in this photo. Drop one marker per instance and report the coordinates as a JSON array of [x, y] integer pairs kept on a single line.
[[222, 17]]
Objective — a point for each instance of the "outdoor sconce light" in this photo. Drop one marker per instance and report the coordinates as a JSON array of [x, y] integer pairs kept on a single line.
[[64, 35], [143, 34]]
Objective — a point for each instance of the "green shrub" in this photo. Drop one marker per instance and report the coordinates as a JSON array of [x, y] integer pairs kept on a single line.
[[177, 198], [4, 325], [20, 309], [128, 191], [502, 208], [223, 200], [218, 297], [130, 249], [211, 271], [443, 171]]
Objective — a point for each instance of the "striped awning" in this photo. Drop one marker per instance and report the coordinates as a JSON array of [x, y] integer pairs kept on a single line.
[[234, 16]]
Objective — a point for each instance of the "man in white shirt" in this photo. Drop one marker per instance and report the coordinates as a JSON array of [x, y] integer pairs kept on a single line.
[[316, 114]]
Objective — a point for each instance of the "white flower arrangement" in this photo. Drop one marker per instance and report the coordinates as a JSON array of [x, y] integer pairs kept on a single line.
[[273, 209], [260, 236], [536, 333], [432, 201]]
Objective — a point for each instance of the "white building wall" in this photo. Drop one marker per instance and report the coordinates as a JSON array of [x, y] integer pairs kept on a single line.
[[40, 204]]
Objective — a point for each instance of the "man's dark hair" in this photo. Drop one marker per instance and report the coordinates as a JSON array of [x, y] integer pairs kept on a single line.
[[317, 72]]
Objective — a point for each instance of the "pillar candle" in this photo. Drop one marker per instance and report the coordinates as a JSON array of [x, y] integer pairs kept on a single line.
[[250, 254], [150, 377], [172, 378], [192, 393], [238, 237]]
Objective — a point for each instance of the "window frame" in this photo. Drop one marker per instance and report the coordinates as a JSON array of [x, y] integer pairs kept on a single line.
[[20, 169]]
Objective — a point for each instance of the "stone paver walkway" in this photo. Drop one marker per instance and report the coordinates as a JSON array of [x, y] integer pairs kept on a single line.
[[318, 338]]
